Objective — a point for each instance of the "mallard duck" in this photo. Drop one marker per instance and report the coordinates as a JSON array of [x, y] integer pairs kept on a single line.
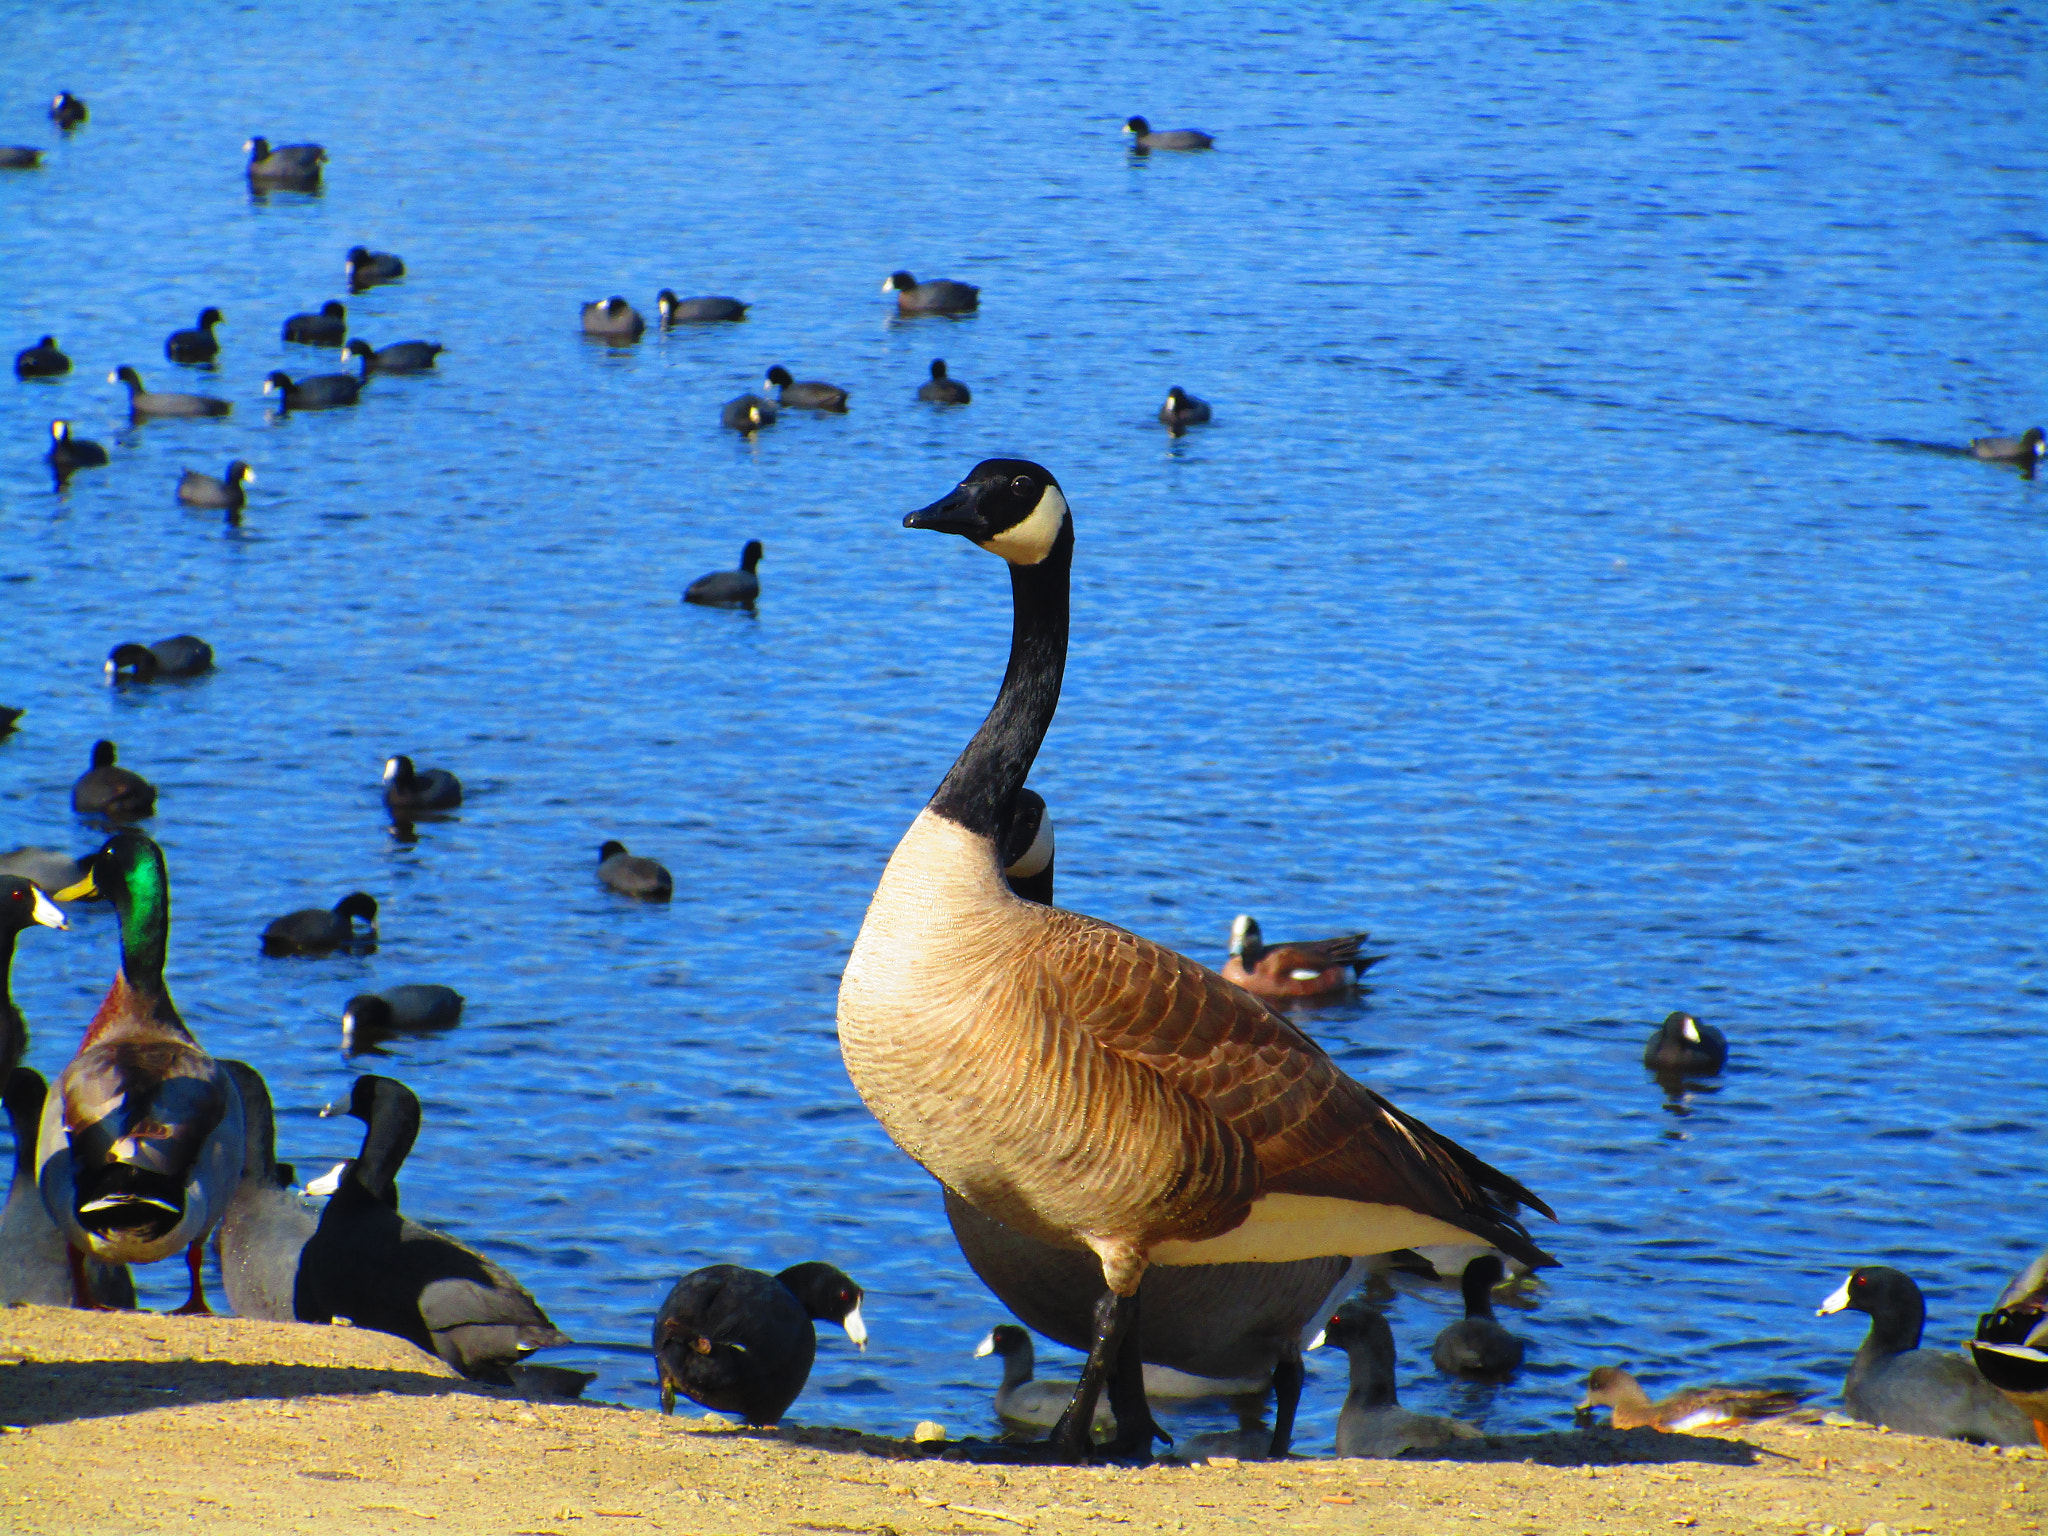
[[1297, 968], [2011, 1346], [742, 1342], [1609, 1386], [33, 1266], [1372, 1421], [380, 1270], [21, 906], [141, 1143], [1893, 1381]]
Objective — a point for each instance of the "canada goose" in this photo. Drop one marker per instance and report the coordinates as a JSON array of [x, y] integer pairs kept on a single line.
[[1301, 968], [2011, 1346], [1182, 410], [67, 111], [742, 1342], [730, 589], [328, 328], [266, 1226], [19, 157], [22, 906], [1023, 1401], [367, 268], [612, 320], [1893, 1381], [1684, 1047], [408, 789], [1028, 850], [806, 395], [1372, 1421], [631, 875], [418, 1008], [1609, 1386], [399, 357], [41, 361], [143, 402], [2025, 450], [942, 390], [178, 656], [141, 1140], [318, 931], [747, 413], [381, 1270], [322, 392], [68, 453], [1143, 138], [1089, 1088], [34, 1258], [1477, 1345], [198, 345], [292, 167], [50, 868], [110, 791], [675, 311], [230, 492], [940, 296]]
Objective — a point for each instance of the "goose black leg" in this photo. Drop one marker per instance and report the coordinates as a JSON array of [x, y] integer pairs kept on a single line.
[[1136, 1429], [1288, 1376], [1113, 1317], [195, 1303]]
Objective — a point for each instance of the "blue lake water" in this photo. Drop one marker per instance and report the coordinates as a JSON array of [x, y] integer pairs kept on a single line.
[[1559, 593]]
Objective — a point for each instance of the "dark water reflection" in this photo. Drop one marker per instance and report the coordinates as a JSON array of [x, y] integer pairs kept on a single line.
[[1552, 594]]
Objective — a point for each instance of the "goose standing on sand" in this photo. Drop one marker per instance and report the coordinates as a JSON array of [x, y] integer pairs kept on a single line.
[[2011, 1346], [1298, 968], [1609, 1386], [266, 1226], [1893, 1381], [367, 1263], [34, 1258], [1089, 1088], [141, 1141], [1204, 1331], [742, 1342], [22, 906]]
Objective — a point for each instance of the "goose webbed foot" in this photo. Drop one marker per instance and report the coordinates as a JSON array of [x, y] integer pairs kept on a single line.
[[195, 1302], [81, 1287], [1114, 1317]]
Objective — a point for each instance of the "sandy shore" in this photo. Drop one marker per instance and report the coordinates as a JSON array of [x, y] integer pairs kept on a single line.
[[140, 1422]]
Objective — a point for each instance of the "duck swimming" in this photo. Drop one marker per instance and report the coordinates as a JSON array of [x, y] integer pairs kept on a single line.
[[141, 1141]]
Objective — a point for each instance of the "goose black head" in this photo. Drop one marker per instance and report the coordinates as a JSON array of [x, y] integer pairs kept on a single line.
[[1010, 507]]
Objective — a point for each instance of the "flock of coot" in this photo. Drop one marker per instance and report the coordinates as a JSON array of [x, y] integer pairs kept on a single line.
[[1141, 1157]]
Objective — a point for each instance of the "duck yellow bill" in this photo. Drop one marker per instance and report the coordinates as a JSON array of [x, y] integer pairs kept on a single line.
[[84, 890]]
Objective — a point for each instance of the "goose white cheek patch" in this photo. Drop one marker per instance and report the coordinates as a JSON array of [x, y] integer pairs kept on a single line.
[[1031, 540], [1034, 859]]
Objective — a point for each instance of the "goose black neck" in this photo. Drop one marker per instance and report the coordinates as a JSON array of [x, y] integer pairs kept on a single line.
[[984, 779], [394, 1125]]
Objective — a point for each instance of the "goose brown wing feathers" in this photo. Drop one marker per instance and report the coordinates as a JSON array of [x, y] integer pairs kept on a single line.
[[1311, 1129]]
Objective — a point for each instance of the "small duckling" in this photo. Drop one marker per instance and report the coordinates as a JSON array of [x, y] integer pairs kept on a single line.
[[408, 789], [41, 361], [1609, 1386], [198, 345], [941, 389], [367, 268], [742, 1342], [1372, 1421], [1182, 410], [631, 875], [1477, 1345], [1684, 1047], [110, 791], [178, 656], [314, 931], [1143, 138], [1021, 1400], [729, 589]]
